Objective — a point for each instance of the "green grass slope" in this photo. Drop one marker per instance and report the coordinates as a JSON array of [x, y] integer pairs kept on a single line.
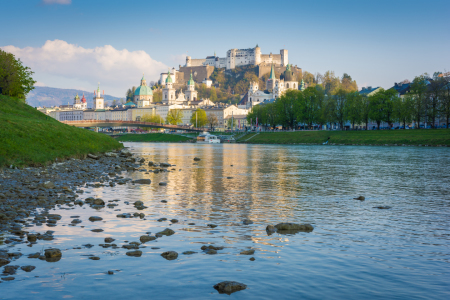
[[29, 137], [153, 137], [373, 137]]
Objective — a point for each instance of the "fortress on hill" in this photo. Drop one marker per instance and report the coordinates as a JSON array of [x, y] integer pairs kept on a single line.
[[202, 69]]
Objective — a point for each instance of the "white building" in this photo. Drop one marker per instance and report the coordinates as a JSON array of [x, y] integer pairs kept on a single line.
[[191, 93], [240, 57], [70, 115], [168, 93], [143, 95]]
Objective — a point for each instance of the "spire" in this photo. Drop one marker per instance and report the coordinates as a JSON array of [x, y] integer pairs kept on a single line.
[[272, 73], [168, 79], [98, 90], [143, 76], [302, 86], [214, 53], [191, 80]]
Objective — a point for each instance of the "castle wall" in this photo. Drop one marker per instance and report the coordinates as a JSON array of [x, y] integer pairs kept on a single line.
[[198, 72], [197, 62]]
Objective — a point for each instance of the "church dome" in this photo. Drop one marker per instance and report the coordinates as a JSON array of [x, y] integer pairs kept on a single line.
[[83, 100], [289, 75], [143, 90], [191, 81], [169, 79]]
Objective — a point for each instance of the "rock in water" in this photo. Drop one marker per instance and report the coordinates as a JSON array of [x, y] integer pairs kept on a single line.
[[52, 253], [28, 268], [228, 287], [95, 218], [166, 232], [165, 165], [247, 222], [360, 198], [146, 238], [142, 181], [270, 229], [294, 227], [94, 257], [136, 253], [382, 207], [248, 252], [211, 225], [197, 159], [170, 255], [109, 240]]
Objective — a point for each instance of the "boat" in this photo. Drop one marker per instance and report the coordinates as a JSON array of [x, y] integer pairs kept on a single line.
[[207, 138]]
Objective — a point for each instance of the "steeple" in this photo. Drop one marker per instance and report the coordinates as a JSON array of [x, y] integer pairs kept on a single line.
[[143, 81], [272, 73], [98, 90], [168, 79], [302, 86], [191, 80]]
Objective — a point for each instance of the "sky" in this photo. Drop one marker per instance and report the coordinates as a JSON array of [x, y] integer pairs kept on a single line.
[[78, 43]]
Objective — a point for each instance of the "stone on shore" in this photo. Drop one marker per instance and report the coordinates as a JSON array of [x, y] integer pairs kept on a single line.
[[93, 156], [165, 165], [170, 255], [228, 287]]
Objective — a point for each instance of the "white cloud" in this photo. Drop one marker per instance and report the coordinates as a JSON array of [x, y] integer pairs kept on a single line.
[[38, 83], [65, 2], [116, 70]]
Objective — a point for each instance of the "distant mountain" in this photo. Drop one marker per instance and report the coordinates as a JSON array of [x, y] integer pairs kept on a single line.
[[48, 96]]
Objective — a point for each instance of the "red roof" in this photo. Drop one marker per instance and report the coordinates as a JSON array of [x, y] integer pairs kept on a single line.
[[83, 100]]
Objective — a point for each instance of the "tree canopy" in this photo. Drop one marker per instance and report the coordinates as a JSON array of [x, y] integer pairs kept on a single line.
[[15, 78], [199, 118]]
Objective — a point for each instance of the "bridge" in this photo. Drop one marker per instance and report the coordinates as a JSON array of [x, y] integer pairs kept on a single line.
[[118, 123]]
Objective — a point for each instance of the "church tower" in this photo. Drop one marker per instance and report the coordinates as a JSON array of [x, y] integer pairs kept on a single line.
[[143, 94], [270, 84], [99, 101], [191, 93], [169, 91]]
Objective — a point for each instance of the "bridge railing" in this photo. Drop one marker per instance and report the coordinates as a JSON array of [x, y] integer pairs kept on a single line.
[[136, 123]]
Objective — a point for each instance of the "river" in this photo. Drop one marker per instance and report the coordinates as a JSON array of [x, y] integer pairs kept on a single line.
[[356, 251]]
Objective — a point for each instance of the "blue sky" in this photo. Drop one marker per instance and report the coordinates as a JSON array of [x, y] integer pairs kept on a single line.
[[376, 42]]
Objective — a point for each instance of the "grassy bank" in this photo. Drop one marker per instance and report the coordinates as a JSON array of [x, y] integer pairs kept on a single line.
[[372, 137], [153, 137], [29, 137]]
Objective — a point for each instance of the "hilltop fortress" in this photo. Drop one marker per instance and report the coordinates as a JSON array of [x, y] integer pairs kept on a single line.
[[202, 69], [240, 57]]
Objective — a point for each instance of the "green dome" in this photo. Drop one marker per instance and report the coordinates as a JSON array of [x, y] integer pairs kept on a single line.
[[143, 90]]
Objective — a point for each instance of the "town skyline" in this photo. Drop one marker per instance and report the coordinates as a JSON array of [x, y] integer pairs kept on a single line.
[[97, 42]]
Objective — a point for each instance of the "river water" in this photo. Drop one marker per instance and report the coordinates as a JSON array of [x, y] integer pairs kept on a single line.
[[356, 251]]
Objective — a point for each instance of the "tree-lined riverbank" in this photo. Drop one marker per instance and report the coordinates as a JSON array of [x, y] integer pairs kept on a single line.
[[29, 137], [432, 137]]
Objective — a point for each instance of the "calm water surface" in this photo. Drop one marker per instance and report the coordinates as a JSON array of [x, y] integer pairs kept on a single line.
[[355, 251]]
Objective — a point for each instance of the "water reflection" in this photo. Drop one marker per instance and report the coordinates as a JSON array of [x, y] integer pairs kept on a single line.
[[352, 248]]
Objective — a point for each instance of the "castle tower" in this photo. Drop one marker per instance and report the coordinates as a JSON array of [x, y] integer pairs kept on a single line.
[[188, 61], [143, 94], [191, 93], [257, 55], [231, 59], [169, 91], [290, 80], [99, 101], [284, 57]]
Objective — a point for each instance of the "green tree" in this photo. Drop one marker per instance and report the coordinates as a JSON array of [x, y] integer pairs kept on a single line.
[[287, 108], [199, 118], [435, 92], [376, 108], [213, 94], [130, 94], [403, 109], [152, 118], [445, 101], [174, 116], [15, 78], [157, 96], [354, 108], [365, 110], [338, 111], [418, 90], [310, 102]]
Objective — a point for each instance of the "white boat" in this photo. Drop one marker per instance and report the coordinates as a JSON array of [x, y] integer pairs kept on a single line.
[[206, 138]]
